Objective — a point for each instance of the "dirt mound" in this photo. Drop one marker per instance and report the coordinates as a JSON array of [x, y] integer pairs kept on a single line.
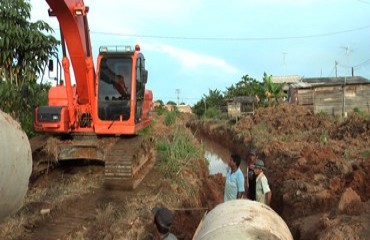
[[355, 126], [313, 161]]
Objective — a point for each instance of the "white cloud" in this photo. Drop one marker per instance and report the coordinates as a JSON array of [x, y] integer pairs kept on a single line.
[[192, 60]]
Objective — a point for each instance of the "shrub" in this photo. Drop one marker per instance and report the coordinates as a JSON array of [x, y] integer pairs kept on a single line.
[[177, 152], [212, 113], [20, 102], [170, 118]]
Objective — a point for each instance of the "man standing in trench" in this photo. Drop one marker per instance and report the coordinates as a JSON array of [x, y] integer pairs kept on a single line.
[[251, 176], [263, 192], [234, 185]]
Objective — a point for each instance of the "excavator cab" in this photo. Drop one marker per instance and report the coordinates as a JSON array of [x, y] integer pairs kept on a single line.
[[121, 83]]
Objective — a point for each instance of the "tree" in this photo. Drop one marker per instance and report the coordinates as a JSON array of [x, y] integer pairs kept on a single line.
[[160, 102], [24, 48], [214, 99], [272, 90], [171, 103], [247, 86]]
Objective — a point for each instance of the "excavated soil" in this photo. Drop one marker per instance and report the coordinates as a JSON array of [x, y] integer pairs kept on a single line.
[[318, 167], [318, 170]]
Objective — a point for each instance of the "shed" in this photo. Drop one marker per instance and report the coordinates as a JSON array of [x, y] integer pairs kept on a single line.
[[240, 106], [286, 80], [337, 95]]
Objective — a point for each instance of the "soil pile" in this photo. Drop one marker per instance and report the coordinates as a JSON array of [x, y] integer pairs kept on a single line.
[[318, 167]]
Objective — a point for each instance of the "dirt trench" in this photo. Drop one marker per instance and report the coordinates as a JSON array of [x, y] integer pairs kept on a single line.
[[318, 167]]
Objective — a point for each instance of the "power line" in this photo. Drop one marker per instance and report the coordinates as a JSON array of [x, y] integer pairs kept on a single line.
[[231, 38]]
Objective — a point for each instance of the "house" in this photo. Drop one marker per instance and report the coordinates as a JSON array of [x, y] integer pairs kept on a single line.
[[286, 80], [240, 106], [333, 95], [181, 108], [184, 108]]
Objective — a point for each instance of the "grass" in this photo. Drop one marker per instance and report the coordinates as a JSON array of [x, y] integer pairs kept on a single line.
[[177, 152], [170, 118]]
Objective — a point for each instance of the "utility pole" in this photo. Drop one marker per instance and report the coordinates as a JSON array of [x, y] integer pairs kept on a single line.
[[336, 68], [178, 96]]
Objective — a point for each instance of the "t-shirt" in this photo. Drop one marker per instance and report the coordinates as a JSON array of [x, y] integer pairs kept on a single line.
[[234, 183], [262, 187]]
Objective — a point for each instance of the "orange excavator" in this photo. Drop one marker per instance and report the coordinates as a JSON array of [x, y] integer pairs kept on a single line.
[[100, 115]]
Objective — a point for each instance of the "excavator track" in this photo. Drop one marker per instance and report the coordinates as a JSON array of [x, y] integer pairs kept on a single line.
[[128, 161]]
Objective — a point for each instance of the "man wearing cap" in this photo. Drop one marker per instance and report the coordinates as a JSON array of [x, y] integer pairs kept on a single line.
[[251, 177], [263, 192], [163, 219], [234, 184]]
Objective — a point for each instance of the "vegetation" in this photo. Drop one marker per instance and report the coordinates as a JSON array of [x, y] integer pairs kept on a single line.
[[24, 48], [170, 117], [272, 90], [20, 103], [247, 86], [176, 152], [24, 51], [214, 99]]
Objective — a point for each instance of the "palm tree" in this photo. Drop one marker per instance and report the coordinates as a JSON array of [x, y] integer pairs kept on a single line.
[[272, 90]]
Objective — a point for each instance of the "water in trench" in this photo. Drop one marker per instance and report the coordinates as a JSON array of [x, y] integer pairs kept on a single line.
[[217, 156]]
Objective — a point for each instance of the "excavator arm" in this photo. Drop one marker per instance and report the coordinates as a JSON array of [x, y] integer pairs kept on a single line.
[[71, 15]]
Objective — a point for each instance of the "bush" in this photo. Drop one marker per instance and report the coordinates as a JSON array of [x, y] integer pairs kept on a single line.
[[20, 102], [212, 113], [177, 152], [170, 117]]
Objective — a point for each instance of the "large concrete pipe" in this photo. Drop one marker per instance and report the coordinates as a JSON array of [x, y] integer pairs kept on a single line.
[[15, 165], [242, 219]]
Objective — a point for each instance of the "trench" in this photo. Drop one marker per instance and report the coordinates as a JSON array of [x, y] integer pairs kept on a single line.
[[217, 156]]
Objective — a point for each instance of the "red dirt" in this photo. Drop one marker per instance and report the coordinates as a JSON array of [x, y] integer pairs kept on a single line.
[[318, 170], [316, 165]]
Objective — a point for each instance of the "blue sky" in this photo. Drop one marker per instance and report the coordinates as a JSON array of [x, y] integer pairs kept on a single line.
[[197, 45]]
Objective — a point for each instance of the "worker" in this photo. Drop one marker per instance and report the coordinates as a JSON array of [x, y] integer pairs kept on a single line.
[[263, 192], [163, 219], [251, 177], [234, 184], [119, 84]]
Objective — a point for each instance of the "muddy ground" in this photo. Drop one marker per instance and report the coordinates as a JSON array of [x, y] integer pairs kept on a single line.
[[318, 169], [69, 200]]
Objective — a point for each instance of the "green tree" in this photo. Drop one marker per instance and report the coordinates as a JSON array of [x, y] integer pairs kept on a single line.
[[214, 99], [160, 102], [171, 103], [24, 51], [272, 90], [247, 86], [24, 48]]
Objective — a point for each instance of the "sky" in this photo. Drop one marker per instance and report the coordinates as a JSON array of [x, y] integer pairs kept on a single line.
[[193, 46]]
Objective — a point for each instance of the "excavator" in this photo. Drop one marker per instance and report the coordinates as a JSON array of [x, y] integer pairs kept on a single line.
[[98, 117]]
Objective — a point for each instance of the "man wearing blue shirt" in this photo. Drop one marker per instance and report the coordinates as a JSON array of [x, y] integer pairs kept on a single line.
[[234, 185]]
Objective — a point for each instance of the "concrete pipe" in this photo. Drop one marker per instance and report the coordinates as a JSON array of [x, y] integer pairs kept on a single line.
[[242, 219], [15, 165]]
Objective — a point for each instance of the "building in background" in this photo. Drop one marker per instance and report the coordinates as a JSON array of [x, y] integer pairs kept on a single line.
[[333, 95]]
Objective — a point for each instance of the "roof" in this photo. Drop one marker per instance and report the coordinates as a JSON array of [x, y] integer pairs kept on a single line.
[[286, 79], [329, 81], [244, 99], [337, 80]]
